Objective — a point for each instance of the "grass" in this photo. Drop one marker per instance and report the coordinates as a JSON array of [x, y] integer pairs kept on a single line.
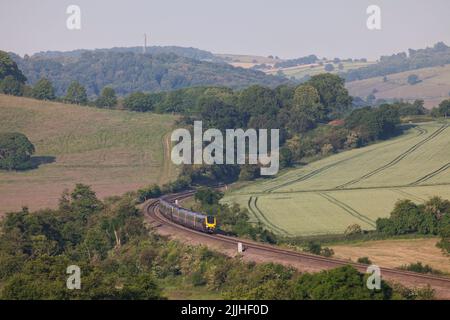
[[114, 151], [357, 186], [396, 253], [433, 88], [300, 72]]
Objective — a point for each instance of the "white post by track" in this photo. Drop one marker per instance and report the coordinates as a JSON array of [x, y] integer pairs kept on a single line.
[[240, 247]]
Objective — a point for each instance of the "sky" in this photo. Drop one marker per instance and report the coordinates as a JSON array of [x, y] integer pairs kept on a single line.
[[286, 28]]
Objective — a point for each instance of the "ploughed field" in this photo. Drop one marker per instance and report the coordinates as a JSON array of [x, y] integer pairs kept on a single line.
[[114, 151], [352, 187]]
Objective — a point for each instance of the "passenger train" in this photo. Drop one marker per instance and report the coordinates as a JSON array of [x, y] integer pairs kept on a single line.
[[187, 218]]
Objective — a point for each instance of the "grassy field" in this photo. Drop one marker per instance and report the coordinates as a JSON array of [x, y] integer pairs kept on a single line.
[[433, 88], [114, 151], [356, 186], [397, 252], [299, 72]]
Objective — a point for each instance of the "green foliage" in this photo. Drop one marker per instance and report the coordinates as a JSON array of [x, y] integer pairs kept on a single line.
[[364, 260], [138, 101], [15, 151], [130, 71], [9, 68], [373, 123], [107, 98], [432, 217], [420, 268], [76, 94], [10, 85], [208, 196], [437, 55], [43, 90], [413, 79], [443, 110], [333, 94], [316, 248], [344, 283]]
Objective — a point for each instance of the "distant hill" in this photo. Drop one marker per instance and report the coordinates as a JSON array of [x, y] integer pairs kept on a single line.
[[192, 53], [126, 70], [437, 55], [433, 86]]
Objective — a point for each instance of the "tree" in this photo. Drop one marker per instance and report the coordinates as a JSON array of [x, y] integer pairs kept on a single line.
[[76, 94], [208, 196], [444, 108], [333, 94], [107, 98], [344, 283], [413, 79], [329, 67], [305, 112], [10, 85], [43, 90], [257, 100], [9, 68], [138, 101], [15, 151]]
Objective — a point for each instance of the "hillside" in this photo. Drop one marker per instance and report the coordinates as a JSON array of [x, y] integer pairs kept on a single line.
[[114, 151], [434, 86], [304, 71], [130, 71], [356, 186]]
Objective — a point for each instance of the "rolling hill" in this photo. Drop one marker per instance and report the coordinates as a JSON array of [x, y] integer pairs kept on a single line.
[[356, 186], [434, 86], [114, 151], [129, 71]]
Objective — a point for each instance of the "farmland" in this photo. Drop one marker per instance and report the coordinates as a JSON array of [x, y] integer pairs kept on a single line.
[[434, 86], [299, 72], [356, 186], [114, 151]]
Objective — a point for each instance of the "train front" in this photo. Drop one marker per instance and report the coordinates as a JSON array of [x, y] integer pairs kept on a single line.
[[210, 224]]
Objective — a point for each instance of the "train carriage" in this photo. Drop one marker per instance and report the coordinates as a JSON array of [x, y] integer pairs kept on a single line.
[[187, 218]]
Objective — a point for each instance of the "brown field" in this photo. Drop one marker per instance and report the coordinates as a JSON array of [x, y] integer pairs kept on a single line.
[[434, 88], [113, 151], [394, 253]]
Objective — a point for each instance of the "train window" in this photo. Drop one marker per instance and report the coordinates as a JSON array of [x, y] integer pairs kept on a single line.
[[210, 219]]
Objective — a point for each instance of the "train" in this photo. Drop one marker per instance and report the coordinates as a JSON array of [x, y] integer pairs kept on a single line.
[[187, 218]]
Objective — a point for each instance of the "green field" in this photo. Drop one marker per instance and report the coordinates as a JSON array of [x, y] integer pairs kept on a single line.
[[433, 88], [299, 72], [356, 186], [114, 151]]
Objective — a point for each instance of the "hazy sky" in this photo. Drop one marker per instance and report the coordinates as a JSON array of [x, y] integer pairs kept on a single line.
[[287, 28]]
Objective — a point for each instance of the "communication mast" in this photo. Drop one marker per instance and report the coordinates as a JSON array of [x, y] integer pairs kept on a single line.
[[144, 49]]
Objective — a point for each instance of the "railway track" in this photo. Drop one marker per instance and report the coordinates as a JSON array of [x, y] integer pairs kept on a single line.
[[440, 284]]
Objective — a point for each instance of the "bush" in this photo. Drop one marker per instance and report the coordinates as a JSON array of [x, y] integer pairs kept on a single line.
[[364, 260], [15, 151]]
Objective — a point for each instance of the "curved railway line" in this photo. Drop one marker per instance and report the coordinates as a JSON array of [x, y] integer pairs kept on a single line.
[[302, 261]]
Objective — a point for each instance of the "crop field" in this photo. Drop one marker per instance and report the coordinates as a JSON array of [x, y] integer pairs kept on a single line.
[[356, 186], [299, 72], [434, 86], [113, 151]]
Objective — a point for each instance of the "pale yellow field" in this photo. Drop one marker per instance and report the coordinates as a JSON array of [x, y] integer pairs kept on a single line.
[[356, 186], [434, 88], [114, 151], [396, 253]]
